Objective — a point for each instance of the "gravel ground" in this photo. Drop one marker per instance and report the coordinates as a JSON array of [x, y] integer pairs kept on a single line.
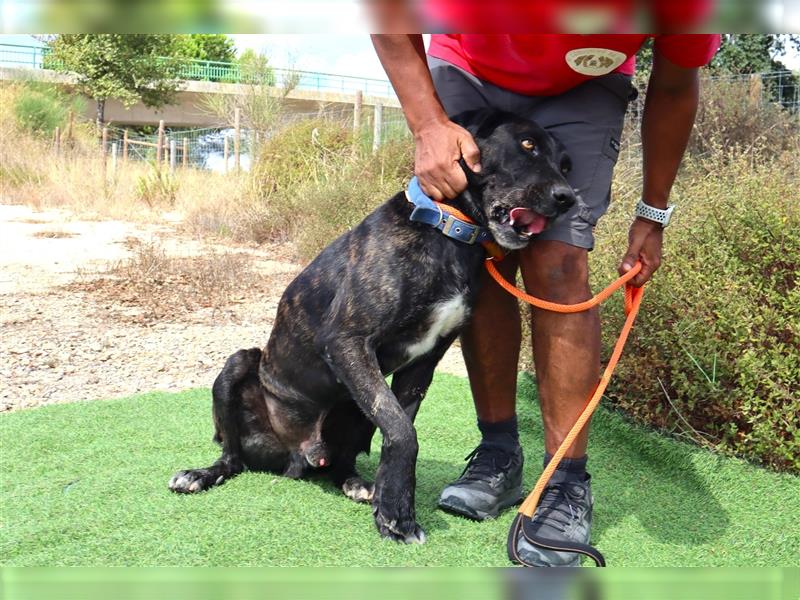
[[66, 339]]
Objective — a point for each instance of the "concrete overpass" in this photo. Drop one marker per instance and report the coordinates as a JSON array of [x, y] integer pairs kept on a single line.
[[188, 111]]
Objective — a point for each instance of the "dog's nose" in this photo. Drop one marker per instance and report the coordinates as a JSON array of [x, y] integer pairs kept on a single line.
[[564, 196]]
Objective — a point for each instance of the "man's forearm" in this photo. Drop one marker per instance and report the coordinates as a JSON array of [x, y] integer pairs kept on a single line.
[[403, 59], [670, 108]]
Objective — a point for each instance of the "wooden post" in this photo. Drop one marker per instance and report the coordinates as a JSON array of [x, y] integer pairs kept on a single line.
[[57, 139], [357, 104], [237, 133], [377, 128], [160, 143], [166, 150], [113, 159], [70, 126], [172, 157], [225, 153], [103, 143], [125, 145], [756, 90], [185, 154]]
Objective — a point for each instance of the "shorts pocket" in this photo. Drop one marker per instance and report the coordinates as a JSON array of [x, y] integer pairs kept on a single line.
[[598, 196]]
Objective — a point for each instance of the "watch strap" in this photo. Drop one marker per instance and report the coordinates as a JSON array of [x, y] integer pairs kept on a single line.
[[651, 213]]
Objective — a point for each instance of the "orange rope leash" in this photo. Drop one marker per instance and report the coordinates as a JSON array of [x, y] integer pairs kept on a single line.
[[633, 300]]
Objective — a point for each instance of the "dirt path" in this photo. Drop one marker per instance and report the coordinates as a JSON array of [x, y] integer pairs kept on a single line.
[[102, 309]]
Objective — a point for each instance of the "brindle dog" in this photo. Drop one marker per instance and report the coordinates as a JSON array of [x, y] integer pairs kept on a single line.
[[387, 297]]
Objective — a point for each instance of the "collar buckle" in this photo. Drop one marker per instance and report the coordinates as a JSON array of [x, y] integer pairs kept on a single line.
[[451, 222]]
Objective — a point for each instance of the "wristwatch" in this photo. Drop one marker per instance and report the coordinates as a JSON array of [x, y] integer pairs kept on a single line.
[[651, 213]]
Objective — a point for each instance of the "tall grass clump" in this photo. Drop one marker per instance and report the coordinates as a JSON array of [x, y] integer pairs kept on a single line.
[[733, 113]]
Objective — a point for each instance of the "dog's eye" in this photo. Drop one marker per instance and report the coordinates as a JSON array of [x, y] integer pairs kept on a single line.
[[564, 169], [528, 144]]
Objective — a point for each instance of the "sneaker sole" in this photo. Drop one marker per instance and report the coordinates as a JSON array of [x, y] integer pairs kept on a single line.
[[457, 506]]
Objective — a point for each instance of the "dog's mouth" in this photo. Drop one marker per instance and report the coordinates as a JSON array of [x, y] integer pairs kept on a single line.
[[524, 222]]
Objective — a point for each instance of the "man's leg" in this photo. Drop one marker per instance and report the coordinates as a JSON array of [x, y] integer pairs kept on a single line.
[[490, 343], [566, 352], [566, 347]]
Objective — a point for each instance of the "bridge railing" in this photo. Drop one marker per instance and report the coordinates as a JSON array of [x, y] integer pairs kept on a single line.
[[19, 56]]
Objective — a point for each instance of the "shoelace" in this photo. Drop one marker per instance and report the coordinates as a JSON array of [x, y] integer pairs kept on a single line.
[[483, 463], [555, 508]]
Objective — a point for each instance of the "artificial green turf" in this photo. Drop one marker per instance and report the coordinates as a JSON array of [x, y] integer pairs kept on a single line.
[[85, 484]]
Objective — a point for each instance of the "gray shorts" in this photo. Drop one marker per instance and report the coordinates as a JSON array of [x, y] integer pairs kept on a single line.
[[587, 119]]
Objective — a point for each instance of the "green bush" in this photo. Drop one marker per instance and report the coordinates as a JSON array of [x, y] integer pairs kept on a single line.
[[715, 354], [39, 112], [312, 184]]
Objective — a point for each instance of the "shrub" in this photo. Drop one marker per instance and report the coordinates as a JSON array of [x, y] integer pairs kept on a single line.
[[733, 112], [715, 354], [157, 187], [312, 184], [38, 113]]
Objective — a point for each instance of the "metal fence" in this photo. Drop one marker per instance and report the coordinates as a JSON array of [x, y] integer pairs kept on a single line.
[[215, 148], [19, 56]]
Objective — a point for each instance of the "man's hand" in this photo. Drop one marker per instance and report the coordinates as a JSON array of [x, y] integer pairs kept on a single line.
[[439, 146], [644, 245]]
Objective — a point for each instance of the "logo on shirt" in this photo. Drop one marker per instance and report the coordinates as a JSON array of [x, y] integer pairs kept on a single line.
[[594, 61]]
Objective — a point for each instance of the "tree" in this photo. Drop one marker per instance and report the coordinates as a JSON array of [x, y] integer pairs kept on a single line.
[[752, 52], [255, 68], [208, 46], [129, 68]]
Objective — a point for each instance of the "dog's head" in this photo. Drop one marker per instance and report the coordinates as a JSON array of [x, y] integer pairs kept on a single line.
[[522, 186]]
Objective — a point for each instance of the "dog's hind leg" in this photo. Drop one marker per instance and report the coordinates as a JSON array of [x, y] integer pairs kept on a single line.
[[347, 432], [237, 381]]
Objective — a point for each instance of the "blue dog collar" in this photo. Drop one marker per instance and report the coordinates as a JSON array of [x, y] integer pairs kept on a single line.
[[428, 212]]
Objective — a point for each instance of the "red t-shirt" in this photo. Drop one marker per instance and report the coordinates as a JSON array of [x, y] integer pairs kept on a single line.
[[549, 64]]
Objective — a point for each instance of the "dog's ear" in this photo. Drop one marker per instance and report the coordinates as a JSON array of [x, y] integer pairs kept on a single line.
[[480, 122], [473, 178]]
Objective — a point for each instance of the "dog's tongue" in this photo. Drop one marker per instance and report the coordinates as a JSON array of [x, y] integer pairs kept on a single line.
[[531, 221]]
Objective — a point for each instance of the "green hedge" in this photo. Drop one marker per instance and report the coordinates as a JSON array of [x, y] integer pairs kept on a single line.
[[715, 354]]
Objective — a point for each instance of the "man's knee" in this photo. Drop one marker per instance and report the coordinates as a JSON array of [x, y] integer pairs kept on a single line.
[[557, 272]]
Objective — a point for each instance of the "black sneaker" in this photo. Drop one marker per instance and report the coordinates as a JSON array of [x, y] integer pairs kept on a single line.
[[564, 513], [491, 482]]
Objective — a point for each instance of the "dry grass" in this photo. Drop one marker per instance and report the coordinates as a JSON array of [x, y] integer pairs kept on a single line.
[[153, 286], [54, 234]]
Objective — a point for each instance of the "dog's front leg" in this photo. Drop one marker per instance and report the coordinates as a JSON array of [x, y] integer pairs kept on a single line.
[[355, 364]]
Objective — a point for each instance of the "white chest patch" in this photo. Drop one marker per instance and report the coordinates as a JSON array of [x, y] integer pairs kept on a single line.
[[443, 319], [594, 61]]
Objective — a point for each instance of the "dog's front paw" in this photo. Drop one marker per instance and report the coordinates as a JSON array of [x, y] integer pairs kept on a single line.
[[395, 518], [196, 480]]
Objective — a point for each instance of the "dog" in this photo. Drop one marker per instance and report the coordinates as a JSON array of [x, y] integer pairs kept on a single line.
[[387, 297]]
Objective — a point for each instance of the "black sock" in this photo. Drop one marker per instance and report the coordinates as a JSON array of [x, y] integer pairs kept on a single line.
[[569, 468], [501, 433]]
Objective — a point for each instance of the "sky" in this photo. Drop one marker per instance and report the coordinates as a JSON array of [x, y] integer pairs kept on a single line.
[[339, 54]]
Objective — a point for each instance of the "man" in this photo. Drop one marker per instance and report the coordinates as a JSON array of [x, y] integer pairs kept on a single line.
[[577, 87]]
